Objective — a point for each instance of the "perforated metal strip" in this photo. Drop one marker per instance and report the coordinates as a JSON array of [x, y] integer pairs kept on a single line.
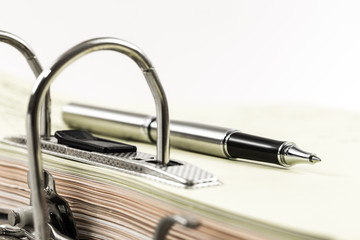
[[178, 173]]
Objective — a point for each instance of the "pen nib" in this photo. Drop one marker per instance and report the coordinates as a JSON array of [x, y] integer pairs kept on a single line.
[[291, 155], [314, 159]]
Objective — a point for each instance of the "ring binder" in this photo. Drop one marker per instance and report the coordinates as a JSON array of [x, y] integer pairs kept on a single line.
[[107, 204], [159, 167], [60, 219], [167, 222], [42, 86], [24, 49], [24, 217]]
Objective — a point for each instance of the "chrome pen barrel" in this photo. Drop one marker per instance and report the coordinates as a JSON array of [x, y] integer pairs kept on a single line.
[[132, 126], [194, 137]]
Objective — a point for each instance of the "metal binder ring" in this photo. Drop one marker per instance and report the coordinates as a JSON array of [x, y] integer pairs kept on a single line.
[[42, 86], [23, 48], [167, 222], [33, 62]]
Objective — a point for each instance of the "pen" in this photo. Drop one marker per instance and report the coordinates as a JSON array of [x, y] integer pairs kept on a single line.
[[201, 138]]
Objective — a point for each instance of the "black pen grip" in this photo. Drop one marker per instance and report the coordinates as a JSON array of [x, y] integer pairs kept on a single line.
[[246, 146]]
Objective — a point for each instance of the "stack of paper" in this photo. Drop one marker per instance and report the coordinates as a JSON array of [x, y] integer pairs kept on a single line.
[[253, 201]]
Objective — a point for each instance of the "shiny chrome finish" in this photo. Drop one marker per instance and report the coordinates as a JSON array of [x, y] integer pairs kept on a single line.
[[189, 136], [132, 126], [15, 233], [225, 143], [32, 60], [167, 222], [177, 173], [35, 66], [289, 154], [41, 88], [21, 217], [195, 137], [139, 127], [61, 222], [24, 49]]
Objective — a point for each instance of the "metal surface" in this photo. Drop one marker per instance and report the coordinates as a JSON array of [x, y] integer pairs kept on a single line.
[[41, 88], [35, 66], [289, 154], [226, 141], [59, 214], [176, 173], [167, 222], [60, 219], [139, 127], [9, 232], [120, 124], [196, 137], [15, 233], [24, 49]]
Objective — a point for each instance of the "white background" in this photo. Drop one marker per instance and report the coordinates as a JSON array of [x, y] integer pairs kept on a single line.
[[213, 52]]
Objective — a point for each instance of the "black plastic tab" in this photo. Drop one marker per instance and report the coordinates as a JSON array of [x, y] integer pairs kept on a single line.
[[83, 140]]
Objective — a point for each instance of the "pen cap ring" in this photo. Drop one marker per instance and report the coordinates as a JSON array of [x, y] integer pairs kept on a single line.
[[41, 88]]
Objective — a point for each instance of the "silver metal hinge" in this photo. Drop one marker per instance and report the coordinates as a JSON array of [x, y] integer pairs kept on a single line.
[[177, 173]]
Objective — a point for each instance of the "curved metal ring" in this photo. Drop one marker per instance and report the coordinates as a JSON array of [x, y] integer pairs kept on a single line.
[[24, 49], [167, 222], [42, 86], [33, 62]]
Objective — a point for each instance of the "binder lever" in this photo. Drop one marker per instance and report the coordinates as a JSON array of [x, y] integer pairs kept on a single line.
[[60, 220], [59, 212], [39, 92]]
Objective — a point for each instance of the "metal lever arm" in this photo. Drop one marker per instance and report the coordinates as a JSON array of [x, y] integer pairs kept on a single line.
[[61, 222]]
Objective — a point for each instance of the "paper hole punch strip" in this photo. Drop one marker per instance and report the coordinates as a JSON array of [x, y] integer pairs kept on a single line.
[[157, 167]]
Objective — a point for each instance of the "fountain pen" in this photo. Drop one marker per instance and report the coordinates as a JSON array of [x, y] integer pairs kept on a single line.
[[195, 137]]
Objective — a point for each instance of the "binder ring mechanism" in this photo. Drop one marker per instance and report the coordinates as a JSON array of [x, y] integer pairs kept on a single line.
[[32, 60], [42, 86], [24, 49], [61, 223], [177, 173]]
